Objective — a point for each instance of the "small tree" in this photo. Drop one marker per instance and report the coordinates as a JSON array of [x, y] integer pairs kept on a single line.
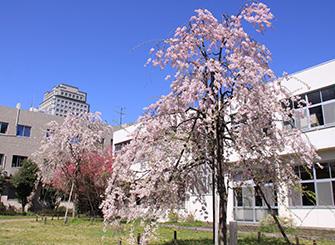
[[92, 178], [66, 147], [24, 181]]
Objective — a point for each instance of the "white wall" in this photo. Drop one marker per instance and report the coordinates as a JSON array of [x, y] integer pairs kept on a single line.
[[315, 77], [313, 217]]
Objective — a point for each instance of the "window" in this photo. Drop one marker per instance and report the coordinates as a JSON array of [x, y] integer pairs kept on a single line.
[[258, 199], [119, 146], [3, 127], [17, 161], [308, 194], [323, 171], [320, 110], [328, 93], [23, 130], [318, 185], [238, 197], [1, 159]]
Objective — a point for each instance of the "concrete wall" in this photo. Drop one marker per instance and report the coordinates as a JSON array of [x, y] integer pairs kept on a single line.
[[10, 144]]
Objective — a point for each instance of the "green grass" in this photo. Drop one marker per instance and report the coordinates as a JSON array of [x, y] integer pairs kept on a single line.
[[83, 231]]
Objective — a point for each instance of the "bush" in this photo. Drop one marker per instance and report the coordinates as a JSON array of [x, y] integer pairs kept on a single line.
[[173, 216], [268, 224], [10, 210], [190, 218], [60, 211]]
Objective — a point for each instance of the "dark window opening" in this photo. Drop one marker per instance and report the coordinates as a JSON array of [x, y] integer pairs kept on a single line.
[[3, 127], [17, 161], [323, 171], [328, 93], [308, 195], [316, 116], [314, 97]]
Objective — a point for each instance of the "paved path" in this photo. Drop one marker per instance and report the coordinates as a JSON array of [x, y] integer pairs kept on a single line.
[[12, 220], [274, 235]]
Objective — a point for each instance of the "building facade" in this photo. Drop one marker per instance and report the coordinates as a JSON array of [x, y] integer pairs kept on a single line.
[[317, 86], [21, 133], [64, 99]]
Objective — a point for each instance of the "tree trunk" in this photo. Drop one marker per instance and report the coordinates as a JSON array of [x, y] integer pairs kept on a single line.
[[68, 203], [34, 198], [280, 227], [223, 238], [23, 204]]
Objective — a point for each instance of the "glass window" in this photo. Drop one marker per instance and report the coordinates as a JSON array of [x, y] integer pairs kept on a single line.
[[3, 127], [238, 195], [17, 161], [23, 130], [328, 93], [324, 194], [305, 173], [333, 184], [329, 113], [295, 197], [270, 195], [247, 196], [308, 195], [332, 169], [302, 120], [300, 101], [314, 97], [316, 116], [258, 199], [323, 171], [1, 159]]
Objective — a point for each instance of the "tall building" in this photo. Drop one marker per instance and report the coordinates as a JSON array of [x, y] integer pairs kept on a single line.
[[64, 99]]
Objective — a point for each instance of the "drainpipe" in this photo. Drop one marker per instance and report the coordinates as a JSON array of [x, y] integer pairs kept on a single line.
[[18, 108]]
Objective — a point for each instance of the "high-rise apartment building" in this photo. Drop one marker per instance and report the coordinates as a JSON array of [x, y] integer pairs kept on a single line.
[[64, 99]]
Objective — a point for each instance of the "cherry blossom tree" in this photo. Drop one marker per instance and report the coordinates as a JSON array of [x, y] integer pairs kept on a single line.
[[223, 117], [91, 178], [67, 147]]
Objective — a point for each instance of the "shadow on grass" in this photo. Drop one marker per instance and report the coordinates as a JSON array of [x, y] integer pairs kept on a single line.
[[241, 241]]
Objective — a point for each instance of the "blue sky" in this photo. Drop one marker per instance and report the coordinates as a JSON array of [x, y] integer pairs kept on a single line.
[[101, 46]]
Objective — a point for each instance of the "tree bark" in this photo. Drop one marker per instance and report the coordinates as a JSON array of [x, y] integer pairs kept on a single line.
[[68, 203], [23, 205], [223, 238], [280, 227]]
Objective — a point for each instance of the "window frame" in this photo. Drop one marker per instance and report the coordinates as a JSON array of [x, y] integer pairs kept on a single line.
[[309, 106], [6, 126], [24, 128], [315, 181], [2, 158], [19, 160]]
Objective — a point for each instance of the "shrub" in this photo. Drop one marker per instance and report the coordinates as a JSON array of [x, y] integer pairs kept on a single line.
[[268, 224], [10, 210], [173, 216], [60, 211], [24, 181], [190, 218]]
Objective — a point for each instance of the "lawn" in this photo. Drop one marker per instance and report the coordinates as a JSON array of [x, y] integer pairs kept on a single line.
[[18, 231]]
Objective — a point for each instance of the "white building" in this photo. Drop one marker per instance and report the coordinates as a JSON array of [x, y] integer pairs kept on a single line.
[[64, 99], [317, 86]]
